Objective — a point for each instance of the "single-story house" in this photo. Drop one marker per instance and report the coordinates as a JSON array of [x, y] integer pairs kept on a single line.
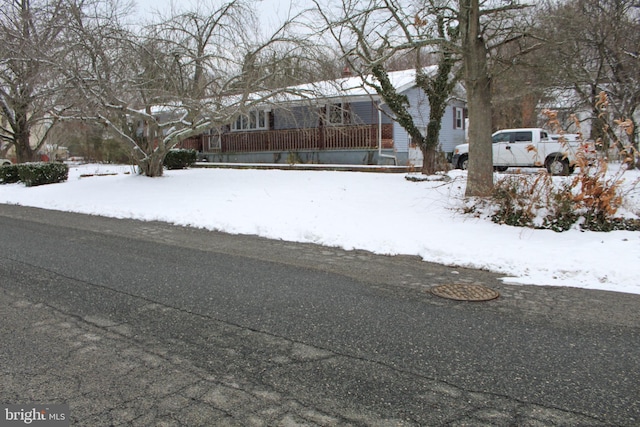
[[343, 121]]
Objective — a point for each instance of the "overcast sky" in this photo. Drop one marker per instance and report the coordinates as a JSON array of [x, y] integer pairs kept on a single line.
[[270, 12]]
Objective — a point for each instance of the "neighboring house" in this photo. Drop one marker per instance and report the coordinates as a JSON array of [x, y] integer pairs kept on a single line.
[[569, 106], [331, 122]]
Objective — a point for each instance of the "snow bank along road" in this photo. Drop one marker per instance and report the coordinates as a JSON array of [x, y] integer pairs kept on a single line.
[[144, 323]]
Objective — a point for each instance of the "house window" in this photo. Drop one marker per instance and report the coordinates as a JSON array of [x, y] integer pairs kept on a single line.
[[458, 118], [338, 114], [254, 120]]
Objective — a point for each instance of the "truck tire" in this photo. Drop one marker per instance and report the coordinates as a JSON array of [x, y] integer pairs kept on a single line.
[[557, 165], [463, 162]]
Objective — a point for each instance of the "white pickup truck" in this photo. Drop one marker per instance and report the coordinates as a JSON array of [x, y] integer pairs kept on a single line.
[[5, 162], [527, 147]]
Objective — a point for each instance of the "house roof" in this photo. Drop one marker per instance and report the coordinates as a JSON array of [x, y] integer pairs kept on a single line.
[[564, 98], [355, 87]]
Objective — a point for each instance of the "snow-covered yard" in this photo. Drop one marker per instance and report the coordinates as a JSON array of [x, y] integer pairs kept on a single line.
[[382, 213]]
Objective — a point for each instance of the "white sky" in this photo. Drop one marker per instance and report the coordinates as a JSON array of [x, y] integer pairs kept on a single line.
[[270, 12], [378, 212]]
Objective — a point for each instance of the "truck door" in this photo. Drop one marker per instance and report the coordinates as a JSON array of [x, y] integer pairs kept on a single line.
[[521, 149], [501, 142]]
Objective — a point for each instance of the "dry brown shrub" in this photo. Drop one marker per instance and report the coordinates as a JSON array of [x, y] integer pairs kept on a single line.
[[592, 197]]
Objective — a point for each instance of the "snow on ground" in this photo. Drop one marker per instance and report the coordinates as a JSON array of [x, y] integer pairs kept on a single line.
[[378, 212]]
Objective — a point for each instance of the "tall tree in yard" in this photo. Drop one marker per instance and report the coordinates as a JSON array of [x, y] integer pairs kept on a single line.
[[478, 84], [483, 31], [372, 36], [438, 89], [172, 80], [149, 92], [30, 43]]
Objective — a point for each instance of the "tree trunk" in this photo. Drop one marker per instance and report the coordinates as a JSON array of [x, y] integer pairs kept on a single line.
[[438, 90], [24, 152], [152, 165], [478, 82], [433, 158], [22, 135], [428, 159]]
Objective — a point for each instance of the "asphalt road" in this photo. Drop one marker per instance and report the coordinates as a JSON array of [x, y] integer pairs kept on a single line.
[[134, 323]]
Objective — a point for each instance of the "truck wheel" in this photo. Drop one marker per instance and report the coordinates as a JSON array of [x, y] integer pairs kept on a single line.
[[557, 166], [463, 162], [500, 168]]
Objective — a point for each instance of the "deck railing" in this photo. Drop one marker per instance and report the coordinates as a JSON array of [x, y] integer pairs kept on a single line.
[[328, 138]]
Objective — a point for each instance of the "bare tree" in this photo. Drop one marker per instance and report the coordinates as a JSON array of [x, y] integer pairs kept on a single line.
[[478, 83], [594, 47], [374, 35], [483, 30], [440, 86], [30, 43], [171, 80]]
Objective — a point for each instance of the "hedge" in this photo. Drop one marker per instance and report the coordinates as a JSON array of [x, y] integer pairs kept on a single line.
[[9, 174], [32, 174], [180, 158]]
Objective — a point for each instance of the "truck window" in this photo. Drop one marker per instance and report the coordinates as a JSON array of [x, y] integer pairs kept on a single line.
[[523, 137], [543, 136], [502, 137]]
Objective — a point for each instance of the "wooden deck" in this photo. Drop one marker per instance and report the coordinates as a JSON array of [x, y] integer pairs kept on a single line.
[[328, 138]]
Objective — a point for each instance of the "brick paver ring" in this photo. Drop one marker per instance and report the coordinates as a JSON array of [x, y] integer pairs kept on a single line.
[[465, 292]]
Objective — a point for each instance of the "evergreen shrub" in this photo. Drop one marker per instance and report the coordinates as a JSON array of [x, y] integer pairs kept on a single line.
[[9, 174], [32, 174], [180, 158]]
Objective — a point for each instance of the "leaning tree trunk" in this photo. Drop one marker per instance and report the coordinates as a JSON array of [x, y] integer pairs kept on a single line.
[[478, 82]]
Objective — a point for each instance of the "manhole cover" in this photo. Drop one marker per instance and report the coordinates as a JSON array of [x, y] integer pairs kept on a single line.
[[461, 292]]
